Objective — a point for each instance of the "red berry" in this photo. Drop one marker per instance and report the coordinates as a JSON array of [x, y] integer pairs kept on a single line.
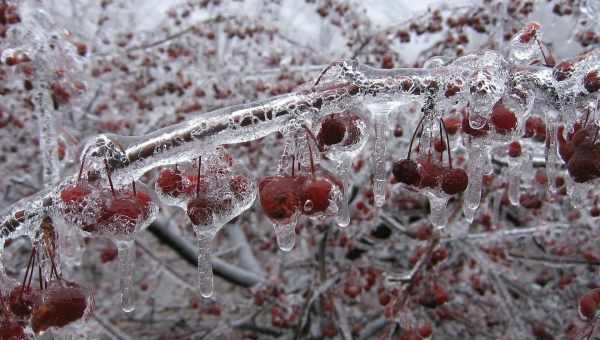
[[170, 182], [430, 174], [425, 330], [332, 130], [466, 127], [200, 211], [240, 185], [352, 290], [536, 128], [406, 171], [503, 119], [514, 149], [563, 70], [109, 253], [529, 32], [75, 196], [454, 181], [22, 302], [121, 215], [452, 124], [588, 304], [61, 306], [316, 194], [584, 165], [280, 197], [591, 81], [11, 330]]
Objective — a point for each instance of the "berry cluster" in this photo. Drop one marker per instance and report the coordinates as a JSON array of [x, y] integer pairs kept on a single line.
[[426, 172], [55, 304]]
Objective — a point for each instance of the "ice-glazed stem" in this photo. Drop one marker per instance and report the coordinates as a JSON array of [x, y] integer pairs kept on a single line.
[[134, 156], [205, 270], [126, 267], [286, 235], [381, 113], [344, 169]]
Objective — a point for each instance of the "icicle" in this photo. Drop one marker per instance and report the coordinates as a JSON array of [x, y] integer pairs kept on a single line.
[[286, 235], [577, 192], [126, 267], [47, 136], [205, 270], [381, 113], [514, 179], [438, 215], [472, 196], [551, 154], [69, 242], [344, 169]]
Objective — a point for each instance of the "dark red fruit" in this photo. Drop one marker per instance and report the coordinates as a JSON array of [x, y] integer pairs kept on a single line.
[[536, 128], [565, 148], [514, 149], [21, 304], [280, 197], [430, 173], [591, 81], [588, 304], [333, 130], [121, 214], [170, 182], [240, 185], [406, 171], [200, 211], [454, 181], [11, 330], [529, 32], [466, 127], [584, 165], [62, 305], [503, 119], [563, 70], [317, 191], [74, 197]]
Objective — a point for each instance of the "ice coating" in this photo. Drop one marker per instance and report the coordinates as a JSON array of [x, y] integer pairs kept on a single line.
[[217, 192]]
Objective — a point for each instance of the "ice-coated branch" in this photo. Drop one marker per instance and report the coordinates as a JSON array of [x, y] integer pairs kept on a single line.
[[479, 80]]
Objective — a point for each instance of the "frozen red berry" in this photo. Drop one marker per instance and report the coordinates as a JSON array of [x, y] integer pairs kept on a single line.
[[454, 181], [514, 149], [333, 130], [503, 119], [406, 171], [61, 306], [280, 197]]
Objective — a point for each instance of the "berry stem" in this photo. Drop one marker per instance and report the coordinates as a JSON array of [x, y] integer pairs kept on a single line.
[[312, 162], [29, 268], [293, 164], [447, 144], [198, 179], [441, 142], [312, 136], [133, 187], [412, 139], [548, 63], [81, 168], [112, 188]]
